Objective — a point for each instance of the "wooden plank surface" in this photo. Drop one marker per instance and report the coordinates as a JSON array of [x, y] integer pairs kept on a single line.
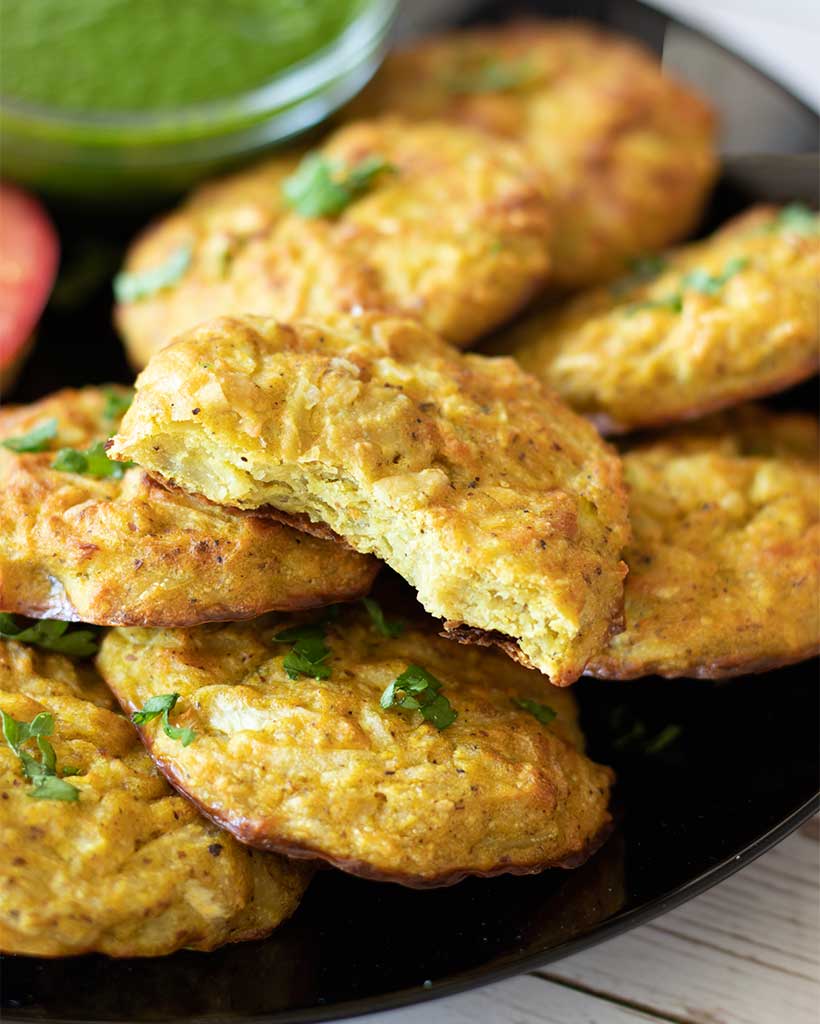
[[746, 952]]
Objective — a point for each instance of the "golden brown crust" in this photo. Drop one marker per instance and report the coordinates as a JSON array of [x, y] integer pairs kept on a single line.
[[128, 552], [626, 153], [129, 869], [257, 835], [628, 359], [724, 573], [501, 507], [317, 768], [456, 234]]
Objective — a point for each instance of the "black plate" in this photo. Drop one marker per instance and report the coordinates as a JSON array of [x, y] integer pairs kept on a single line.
[[743, 774]]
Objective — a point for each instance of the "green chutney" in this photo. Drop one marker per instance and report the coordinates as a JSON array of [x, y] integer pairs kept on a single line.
[[130, 102], [127, 56]]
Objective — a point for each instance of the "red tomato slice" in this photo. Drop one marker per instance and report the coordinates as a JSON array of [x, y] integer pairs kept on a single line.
[[29, 254]]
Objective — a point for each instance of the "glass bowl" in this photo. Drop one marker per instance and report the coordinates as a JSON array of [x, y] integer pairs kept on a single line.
[[140, 158]]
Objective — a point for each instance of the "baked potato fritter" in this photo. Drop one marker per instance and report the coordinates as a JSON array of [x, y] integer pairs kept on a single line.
[[454, 231], [128, 552], [625, 153], [732, 317], [318, 767], [724, 567], [129, 868], [501, 507]]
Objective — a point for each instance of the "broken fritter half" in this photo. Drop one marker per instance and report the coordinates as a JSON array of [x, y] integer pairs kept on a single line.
[[99, 854], [503, 508], [83, 538], [430, 220], [369, 742], [688, 332], [724, 565], [625, 153]]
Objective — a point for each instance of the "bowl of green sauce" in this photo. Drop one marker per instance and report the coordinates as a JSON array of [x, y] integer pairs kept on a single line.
[[118, 101]]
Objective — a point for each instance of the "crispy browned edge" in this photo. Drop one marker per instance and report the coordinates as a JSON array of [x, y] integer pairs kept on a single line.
[[256, 835], [233, 613], [726, 668], [249, 935], [608, 426], [225, 613], [458, 631]]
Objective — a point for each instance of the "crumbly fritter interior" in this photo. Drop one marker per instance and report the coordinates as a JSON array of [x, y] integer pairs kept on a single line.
[[128, 552], [501, 507]]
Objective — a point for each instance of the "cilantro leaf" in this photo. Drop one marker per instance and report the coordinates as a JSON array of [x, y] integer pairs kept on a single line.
[[36, 440], [543, 712], [162, 705], [117, 403], [17, 733], [642, 269], [416, 689], [490, 76], [798, 219], [665, 738], [153, 707], [53, 788], [707, 284], [674, 303], [131, 286], [41, 773], [697, 280], [309, 653], [92, 462], [386, 627], [320, 187], [632, 735], [51, 635]]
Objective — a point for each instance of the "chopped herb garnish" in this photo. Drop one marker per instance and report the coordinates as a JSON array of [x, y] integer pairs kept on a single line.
[[674, 303], [417, 690], [117, 403], [387, 627], [86, 269], [131, 286], [321, 187], [543, 712], [163, 705], [696, 280], [50, 787], [642, 269], [490, 76], [707, 284], [632, 735], [798, 219], [665, 738], [92, 462], [309, 654], [42, 772], [36, 440], [51, 635]]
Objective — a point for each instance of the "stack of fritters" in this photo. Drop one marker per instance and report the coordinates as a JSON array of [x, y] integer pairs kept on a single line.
[[306, 415]]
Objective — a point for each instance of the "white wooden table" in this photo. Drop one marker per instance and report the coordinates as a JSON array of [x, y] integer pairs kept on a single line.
[[745, 952]]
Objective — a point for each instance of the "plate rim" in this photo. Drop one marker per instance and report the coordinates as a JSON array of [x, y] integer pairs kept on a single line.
[[619, 923], [478, 977]]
